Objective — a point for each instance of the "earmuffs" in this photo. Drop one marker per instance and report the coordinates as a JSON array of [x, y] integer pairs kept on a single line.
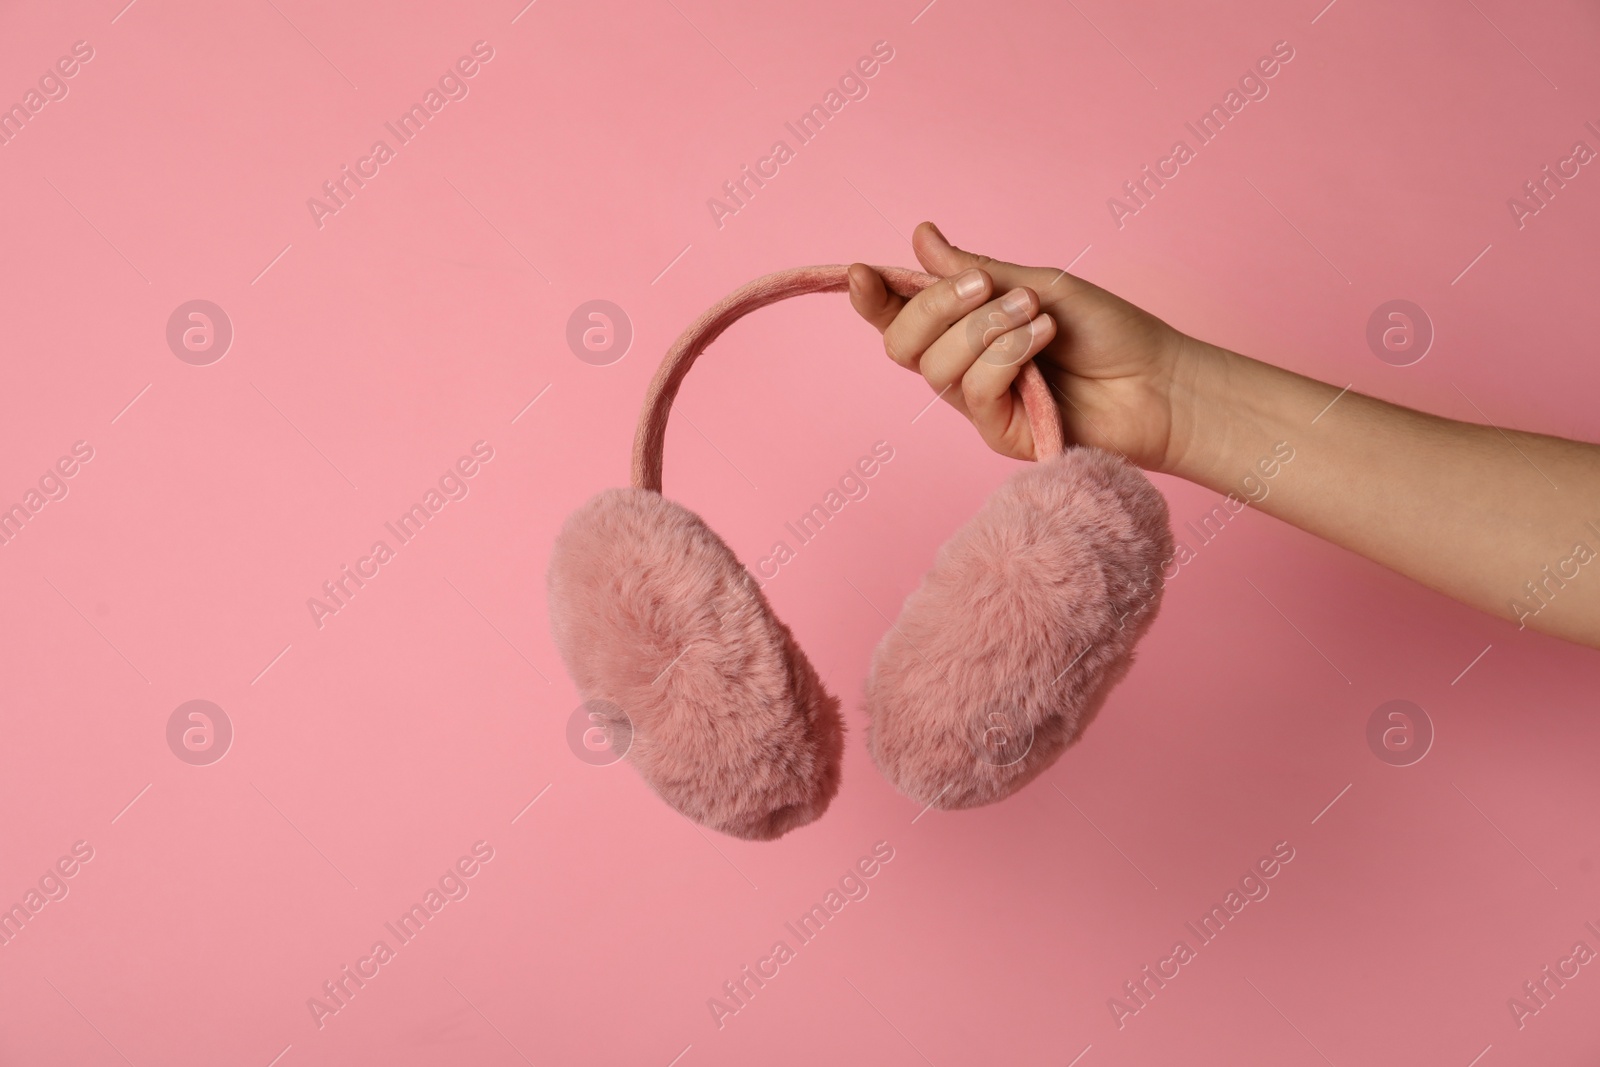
[[998, 660]]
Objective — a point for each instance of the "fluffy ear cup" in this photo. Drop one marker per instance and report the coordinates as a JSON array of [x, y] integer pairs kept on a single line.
[[652, 612], [1028, 618]]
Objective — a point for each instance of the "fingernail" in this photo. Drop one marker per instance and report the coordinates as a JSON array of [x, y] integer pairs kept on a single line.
[[1016, 301], [969, 283], [938, 232]]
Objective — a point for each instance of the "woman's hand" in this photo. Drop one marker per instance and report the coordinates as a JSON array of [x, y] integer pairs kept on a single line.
[[1111, 365], [1506, 521]]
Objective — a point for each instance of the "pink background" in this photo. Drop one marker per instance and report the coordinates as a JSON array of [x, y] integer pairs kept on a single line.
[[425, 716]]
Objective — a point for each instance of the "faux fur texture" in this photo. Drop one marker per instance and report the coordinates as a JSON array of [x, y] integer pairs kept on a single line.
[[652, 611], [998, 661], [1030, 615]]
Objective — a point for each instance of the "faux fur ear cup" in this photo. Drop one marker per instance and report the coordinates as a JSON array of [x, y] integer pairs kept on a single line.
[[653, 612], [1012, 641]]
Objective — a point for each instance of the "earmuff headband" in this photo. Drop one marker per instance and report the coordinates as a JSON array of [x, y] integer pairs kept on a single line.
[[650, 438]]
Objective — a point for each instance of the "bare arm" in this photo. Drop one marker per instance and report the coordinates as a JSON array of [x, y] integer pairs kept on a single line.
[[1506, 521]]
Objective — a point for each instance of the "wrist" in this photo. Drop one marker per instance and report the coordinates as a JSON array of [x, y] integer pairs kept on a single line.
[[1198, 398]]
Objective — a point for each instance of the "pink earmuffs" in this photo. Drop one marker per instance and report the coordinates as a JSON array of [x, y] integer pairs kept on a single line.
[[997, 661]]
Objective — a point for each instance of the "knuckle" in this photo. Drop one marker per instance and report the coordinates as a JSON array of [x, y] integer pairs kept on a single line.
[[894, 348], [981, 330], [973, 392], [1004, 348], [1011, 349], [945, 300]]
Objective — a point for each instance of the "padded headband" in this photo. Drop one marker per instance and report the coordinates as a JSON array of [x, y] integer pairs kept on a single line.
[[995, 664], [650, 437]]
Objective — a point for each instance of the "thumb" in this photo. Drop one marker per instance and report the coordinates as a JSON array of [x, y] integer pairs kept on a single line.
[[871, 298], [938, 256]]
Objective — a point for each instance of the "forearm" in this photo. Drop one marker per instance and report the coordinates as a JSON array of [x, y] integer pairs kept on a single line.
[[1492, 518]]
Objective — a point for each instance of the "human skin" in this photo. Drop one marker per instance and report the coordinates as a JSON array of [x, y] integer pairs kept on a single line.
[[1494, 518]]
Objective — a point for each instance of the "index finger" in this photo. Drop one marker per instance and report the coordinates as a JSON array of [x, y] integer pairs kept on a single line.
[[928, 315]]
